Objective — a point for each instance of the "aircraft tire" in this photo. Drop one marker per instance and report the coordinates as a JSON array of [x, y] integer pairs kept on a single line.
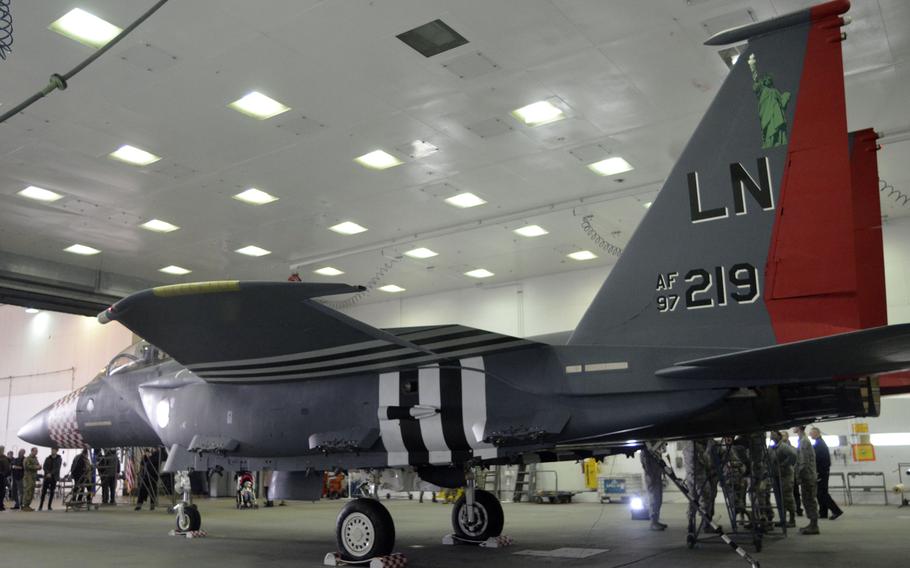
[[191, 520], [489, 517], [364, 529]]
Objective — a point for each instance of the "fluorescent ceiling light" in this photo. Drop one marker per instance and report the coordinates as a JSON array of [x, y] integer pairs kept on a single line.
[[32, 310], [391, 288], [176, 270], [531, 231], [465, 200], [539, 113], [582, 255], [378, 160], [348, 228], [421, 253], [159, 226], [255, 196], [133, 155], [85, 28], [479, 273], [646, 204], [259, 106], [610, 166], [40, 194], [81, 249], [329, 271], [253, 250]]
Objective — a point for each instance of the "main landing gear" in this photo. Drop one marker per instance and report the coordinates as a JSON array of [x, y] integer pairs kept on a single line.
[[365, 530], [477, 515]]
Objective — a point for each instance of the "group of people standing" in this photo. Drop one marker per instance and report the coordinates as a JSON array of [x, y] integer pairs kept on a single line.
[[797, 476], [20, 475]]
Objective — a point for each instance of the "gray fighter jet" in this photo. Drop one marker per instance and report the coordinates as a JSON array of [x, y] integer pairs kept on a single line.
[[751, 297]]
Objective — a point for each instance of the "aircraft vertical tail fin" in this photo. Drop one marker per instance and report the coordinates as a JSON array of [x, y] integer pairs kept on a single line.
[[758, 235]]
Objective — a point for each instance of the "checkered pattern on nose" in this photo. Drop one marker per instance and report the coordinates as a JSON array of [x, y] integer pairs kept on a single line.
[[61, 422]]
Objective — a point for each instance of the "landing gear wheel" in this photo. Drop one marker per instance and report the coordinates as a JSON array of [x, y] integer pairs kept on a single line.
[[488, 517], [364, 530], [189, 520]]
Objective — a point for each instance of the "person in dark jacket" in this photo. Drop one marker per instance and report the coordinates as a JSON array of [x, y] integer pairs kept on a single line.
[[823, 464], [108, 469], [5, 469], [148, 480], [79, 473], [17, 466], [52, 464]]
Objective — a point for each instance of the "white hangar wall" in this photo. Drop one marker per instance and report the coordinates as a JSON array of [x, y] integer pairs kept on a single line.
[[43, 356]]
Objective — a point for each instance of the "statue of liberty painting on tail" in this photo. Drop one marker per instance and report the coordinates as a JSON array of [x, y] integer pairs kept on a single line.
[[772, 105]]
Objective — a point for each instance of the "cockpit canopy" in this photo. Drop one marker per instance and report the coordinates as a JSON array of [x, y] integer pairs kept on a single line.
[[136, 356]]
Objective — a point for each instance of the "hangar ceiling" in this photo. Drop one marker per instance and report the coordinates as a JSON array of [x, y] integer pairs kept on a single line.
[[633, 79]]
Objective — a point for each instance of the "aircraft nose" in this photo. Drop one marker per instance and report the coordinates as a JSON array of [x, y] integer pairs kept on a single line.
[[56, 425], [36, 431]]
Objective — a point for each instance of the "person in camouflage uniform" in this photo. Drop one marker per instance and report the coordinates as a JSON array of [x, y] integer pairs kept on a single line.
[[760, 479], [701, 480], [807, 475], [654, 472], [736, 469], [783, 458], [29, 479]]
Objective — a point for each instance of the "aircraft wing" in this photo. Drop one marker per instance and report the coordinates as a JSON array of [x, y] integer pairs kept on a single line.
[[245, 332], [853, 354]]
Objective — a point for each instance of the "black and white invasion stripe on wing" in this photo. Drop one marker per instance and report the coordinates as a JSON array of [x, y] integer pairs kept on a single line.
[[434, 414], [446, 342]]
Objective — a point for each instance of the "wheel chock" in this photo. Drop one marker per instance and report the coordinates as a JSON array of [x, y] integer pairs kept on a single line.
[[188, 534], [394, 560], [500, 541]]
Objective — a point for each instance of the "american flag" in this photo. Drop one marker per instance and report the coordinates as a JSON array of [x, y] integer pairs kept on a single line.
[[129, 470]]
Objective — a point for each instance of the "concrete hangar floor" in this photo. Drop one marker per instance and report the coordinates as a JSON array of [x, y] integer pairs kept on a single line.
[[301, 533]]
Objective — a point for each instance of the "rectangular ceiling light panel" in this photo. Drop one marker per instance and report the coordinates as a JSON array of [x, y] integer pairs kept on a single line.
[[421, 253], [40, 194], [133, 155], [479, 273], [582, 255], [259, 106], [255, 196], [175, 270], [88, 29], [81, 249], [465, 200], [329, 271], [531, 231], [159, 226], [392, 288], [378, 160], [253, 250], [611, 166], [348, 228], [539, 113], [432, 38]]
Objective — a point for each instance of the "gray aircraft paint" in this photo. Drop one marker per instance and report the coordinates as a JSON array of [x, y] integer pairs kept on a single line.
[[282, 381]]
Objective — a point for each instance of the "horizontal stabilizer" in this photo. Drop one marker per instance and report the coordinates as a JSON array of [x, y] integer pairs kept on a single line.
[[245, 332], [846, 355]]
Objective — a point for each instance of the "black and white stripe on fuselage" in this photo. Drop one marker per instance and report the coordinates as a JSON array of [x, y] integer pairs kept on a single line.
[[446, 405]]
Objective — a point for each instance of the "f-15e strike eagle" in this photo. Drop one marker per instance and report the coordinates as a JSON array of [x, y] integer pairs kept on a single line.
[[751, 297]]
